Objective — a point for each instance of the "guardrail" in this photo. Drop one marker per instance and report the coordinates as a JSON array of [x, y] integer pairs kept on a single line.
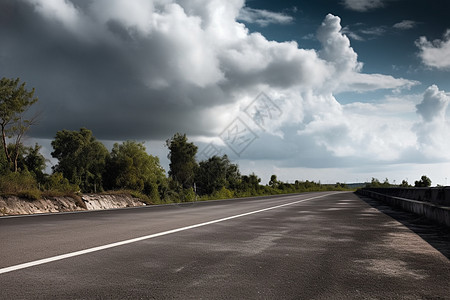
[[433, 203], [435, 195]]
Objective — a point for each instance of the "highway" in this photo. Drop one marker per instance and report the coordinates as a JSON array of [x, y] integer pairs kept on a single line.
[[328, 245]]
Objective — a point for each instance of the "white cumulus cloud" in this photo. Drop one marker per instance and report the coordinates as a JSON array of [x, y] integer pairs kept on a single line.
[[435, 53], [433, 130], [434, 105]]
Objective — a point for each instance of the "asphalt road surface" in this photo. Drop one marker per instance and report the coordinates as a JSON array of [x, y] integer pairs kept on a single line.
[[308, 246]]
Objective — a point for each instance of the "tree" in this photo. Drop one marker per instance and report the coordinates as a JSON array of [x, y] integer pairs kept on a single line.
[[57, 183], [81, 158], [375, 183], [250, 183], [404, 183], [4, 164], [182, 160], [273, 181], [15, 100], [129, 166], [217, 173], [423, 182], [341, 185], [32, 160]]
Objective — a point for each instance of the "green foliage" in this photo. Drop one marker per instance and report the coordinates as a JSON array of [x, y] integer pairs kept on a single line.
[[423, 182], [58, 185], [340, 185], [142, 197], [15, 100], [176, 193], [273, 181], [84, 165], [375, 183], [5, 165], [33, 161], [22, 184], [33, 194], [182, 159], [223, 193], [187, 195], [405, 184], [250, 185], [216, 173], [15, 182], [130, 167], [81, 158]]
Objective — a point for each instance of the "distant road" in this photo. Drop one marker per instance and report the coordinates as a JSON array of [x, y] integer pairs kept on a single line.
[[310, 246]]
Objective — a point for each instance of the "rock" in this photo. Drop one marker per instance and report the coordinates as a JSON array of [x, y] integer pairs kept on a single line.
[[12, 205]]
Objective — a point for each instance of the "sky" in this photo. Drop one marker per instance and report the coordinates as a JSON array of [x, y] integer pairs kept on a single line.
[[325, 90]]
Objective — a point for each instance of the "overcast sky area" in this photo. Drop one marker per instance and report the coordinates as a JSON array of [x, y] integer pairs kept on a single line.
[[329, 90]]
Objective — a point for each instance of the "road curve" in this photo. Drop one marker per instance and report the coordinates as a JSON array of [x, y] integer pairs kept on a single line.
[[306, 246]]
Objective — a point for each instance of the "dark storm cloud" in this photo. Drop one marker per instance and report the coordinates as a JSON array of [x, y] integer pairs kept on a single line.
[[85, 81], [149, 69]]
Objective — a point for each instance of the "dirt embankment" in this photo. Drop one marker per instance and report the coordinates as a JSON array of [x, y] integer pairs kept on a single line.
[[12, 205]]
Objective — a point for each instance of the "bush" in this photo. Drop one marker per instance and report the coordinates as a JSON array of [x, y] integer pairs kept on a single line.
[[141, 196], [57, 185], [223, 193], [34, 194], [187, 195], [14, 183]]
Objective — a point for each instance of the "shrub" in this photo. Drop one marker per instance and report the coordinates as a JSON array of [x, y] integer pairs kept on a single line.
[[223, 193], [141, 196], [33, 194], [15, 182], [58, 185], [187, 195]]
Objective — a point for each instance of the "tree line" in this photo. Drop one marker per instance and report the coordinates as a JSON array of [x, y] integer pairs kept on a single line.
[[423, 182], [86, 166]]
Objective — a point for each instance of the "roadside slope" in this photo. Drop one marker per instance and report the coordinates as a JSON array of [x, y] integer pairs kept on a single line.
[[13, 205]]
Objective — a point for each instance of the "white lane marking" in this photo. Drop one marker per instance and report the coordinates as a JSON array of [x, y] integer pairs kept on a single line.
[[146, 237]]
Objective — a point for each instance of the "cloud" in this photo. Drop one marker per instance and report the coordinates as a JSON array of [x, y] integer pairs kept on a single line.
[[374, 31], [362, 130], [58, 10], [353, 35], [433, 129], [358, 32], [434, 105], [435, 54], [405, 25], [363, 5], [264, 17], [336, 50], [149, 69], [336, 47], [361, 82]]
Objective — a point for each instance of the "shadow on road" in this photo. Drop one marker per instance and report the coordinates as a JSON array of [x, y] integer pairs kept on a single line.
[[438, 236]]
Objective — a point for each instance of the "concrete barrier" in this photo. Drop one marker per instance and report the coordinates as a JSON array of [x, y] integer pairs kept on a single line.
[[432, 211], [435, 195]]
